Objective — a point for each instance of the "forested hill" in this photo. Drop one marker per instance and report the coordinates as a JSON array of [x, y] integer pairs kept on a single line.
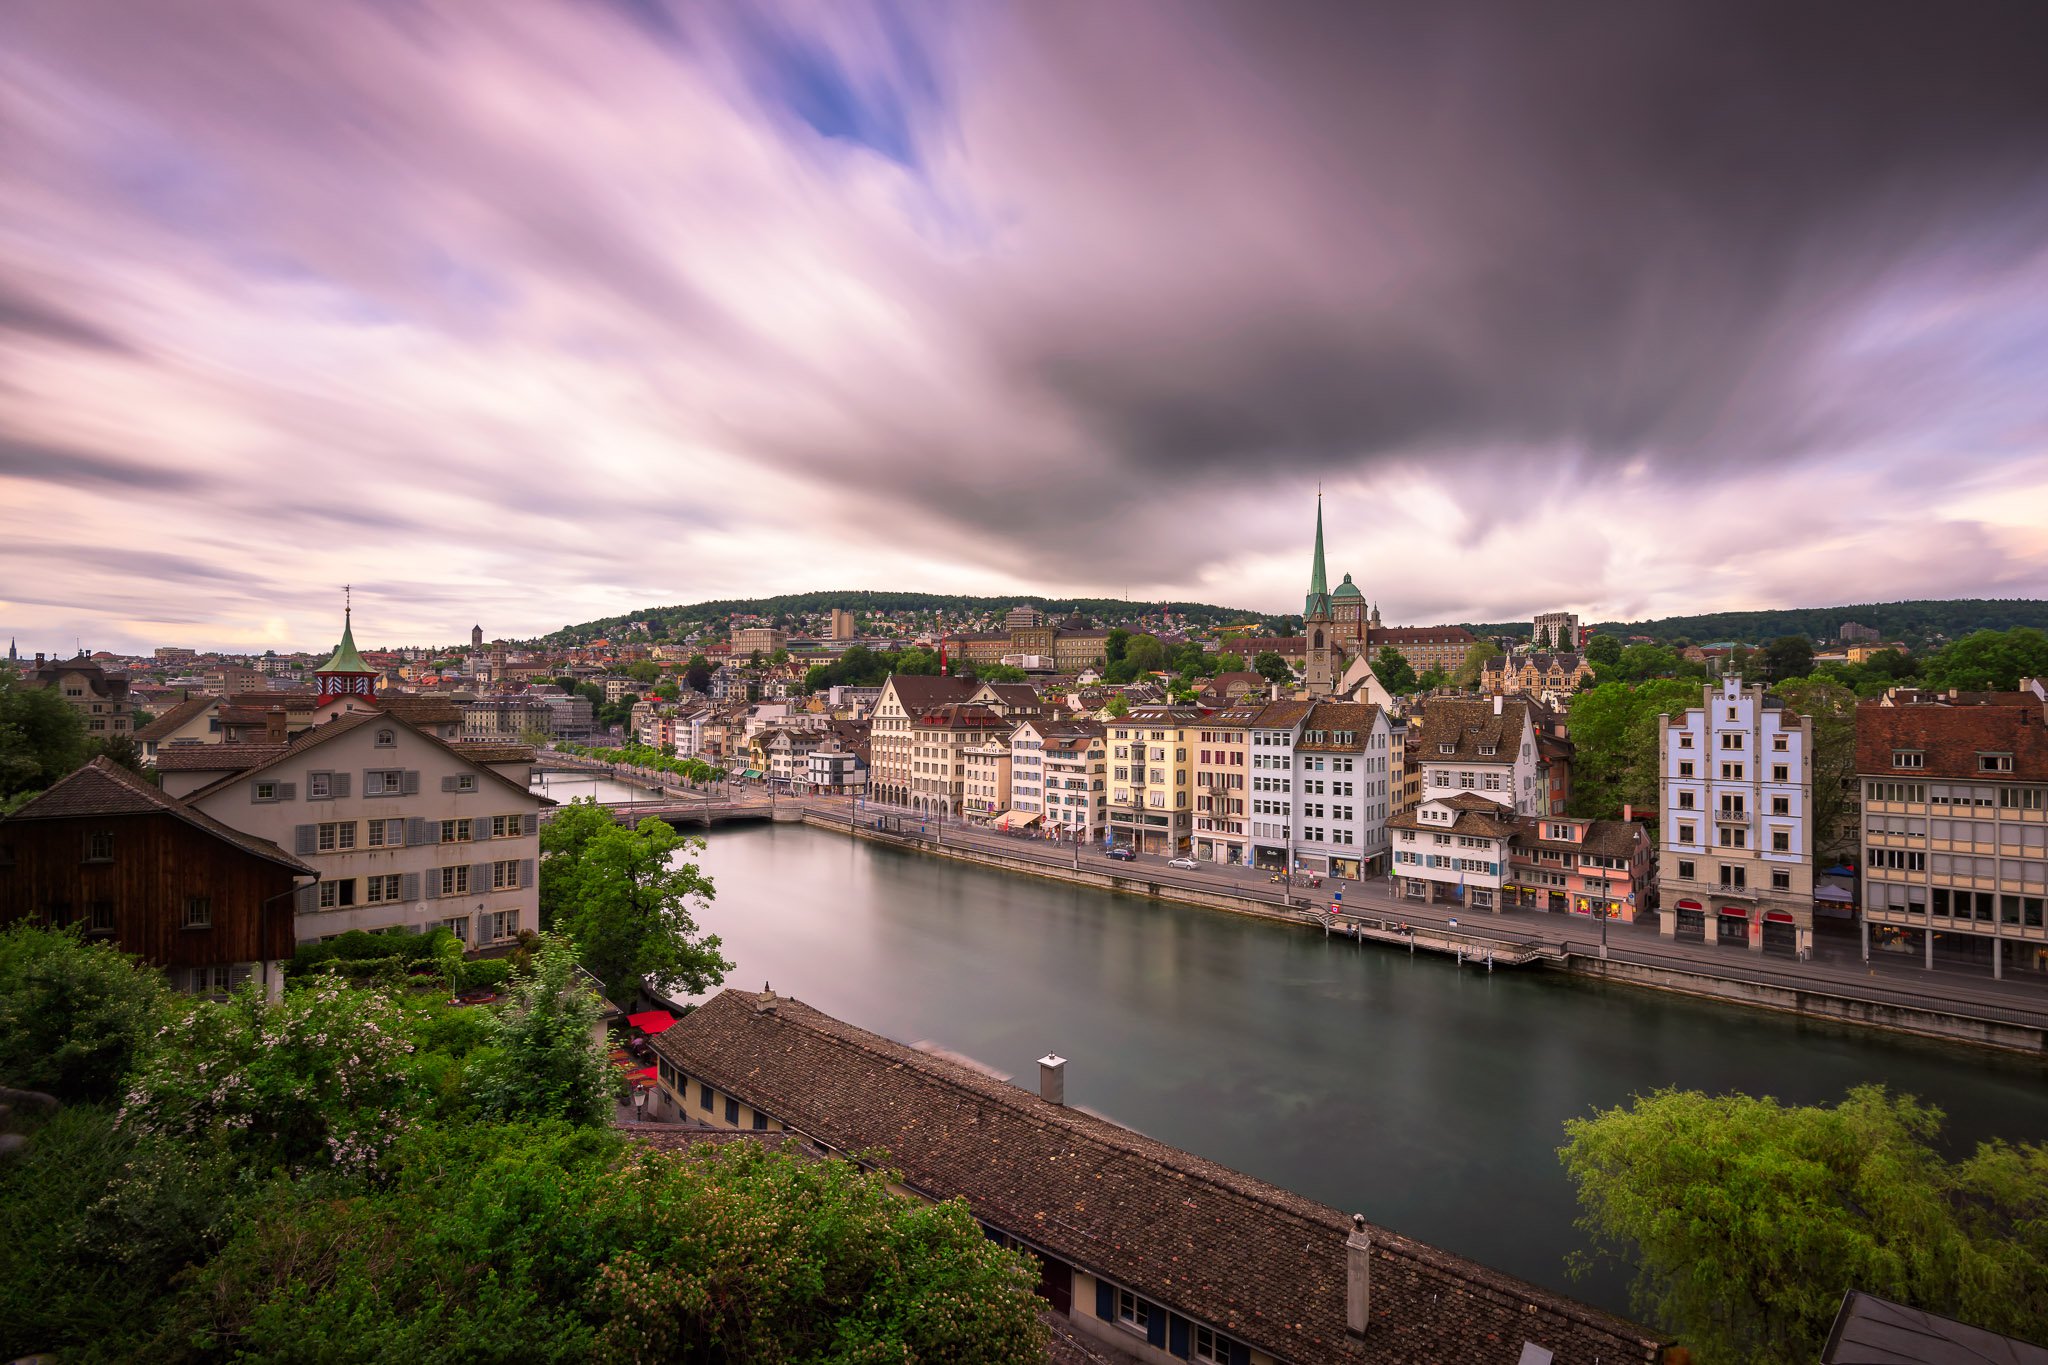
[[667, 621], [1913, 623]]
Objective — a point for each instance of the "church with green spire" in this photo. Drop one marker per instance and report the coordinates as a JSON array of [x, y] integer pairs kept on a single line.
[[1337, 624], [346, 674]]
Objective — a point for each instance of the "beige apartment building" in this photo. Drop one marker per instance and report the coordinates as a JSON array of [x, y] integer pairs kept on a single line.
[[100, 698], [404, 829], [1222, 747], [987, 793], [1152, 778], [1955, 830], [939, 740], [891, 761], [1076, 763]]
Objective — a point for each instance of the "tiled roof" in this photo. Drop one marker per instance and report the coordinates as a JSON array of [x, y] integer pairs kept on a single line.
[[420, 710], [170, 720], [1422, 635], [218, 758], [1329, 718], [1255, 1261], [1282, 715], [916, 691], [103, 787], [1475, 815], [1604, 838], [1470, 726], [266, 754], [1949, 739]]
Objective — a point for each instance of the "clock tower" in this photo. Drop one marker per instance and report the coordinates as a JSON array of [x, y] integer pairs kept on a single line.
[[346, 674]]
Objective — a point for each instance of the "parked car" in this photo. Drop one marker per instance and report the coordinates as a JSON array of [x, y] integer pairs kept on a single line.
[[1122, 854], [1183, 862]]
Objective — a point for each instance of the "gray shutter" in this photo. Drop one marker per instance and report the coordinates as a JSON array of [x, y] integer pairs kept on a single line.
[[533, 822], [409, 887], [525, 873], [338, 784], [417, 832], [480, 829], [479, 878], [448, 784], [432, 881], [409, 784], [307, 898], [305, 838], [287, 791], [330, 787]]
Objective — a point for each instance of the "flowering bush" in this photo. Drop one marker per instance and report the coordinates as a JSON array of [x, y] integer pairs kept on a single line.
[[319, 1079]]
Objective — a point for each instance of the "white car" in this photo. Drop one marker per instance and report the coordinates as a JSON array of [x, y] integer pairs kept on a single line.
[[1183, 861]]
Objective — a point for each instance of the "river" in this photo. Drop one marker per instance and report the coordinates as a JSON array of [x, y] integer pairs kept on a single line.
[[1427, 1096]]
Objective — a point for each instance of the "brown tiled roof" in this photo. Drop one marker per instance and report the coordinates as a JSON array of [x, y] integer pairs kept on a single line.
[[1951, 737], [958, 715], [1475, 815], [481, 752], [170, 720], [1604, 838], [418, 709], [1470, 726], [1330, 717], [218, 758], [103, 787], [917, 691], [321, 734], [1255, 1261], [1281, 715]]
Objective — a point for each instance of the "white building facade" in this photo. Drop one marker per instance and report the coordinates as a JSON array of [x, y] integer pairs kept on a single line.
[[1339, 773]]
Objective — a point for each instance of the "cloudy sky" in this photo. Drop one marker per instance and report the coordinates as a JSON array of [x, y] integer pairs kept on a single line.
[[528, 312]]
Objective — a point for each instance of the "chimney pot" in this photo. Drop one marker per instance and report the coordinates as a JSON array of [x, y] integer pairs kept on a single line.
[[1052, 1078], [1357, 1277], [1496, 703]]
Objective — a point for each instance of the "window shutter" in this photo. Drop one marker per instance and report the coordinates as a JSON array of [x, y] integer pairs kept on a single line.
[[409, 784], [417, 832], [525, 873], [448, 784], [533, 822], [303, 838], [480, 829], [338, 784], [433, 883], [306, 899], [479, 878], [1155, 1327], [287, 791], [409, 887], [1177, 1336], [1105, 1301]]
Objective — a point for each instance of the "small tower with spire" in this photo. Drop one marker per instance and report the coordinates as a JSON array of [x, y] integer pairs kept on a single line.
[[346, 674], [1319, 672]]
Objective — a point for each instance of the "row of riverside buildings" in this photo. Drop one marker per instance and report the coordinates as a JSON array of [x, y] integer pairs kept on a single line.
[[353, 811]]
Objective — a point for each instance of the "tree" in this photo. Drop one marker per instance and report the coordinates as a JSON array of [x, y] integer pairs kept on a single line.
[[1476, 659], [1145, 653], [1614, 736], [643, 670], [1001, 673], [1788, 657], [817, 678], [632, 912], [1394, 672], [1117, 706], [756, 659], [1230, 663], [778, 658], [1270, 666], [1748, 1219], [1113, 645], [541, 1060], [1835, 807], [563, 837], [1603, 651], [41, 736], [1429, 680], [75, 1016], [697, 673], [1989, 661]]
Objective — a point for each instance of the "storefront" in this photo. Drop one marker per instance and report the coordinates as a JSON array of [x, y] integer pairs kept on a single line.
[[1733, 925], [1345, 867], [1692, 921], [1781, 932]]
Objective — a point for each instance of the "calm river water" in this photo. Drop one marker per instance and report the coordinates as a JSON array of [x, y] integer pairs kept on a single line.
[[1428, 1097]]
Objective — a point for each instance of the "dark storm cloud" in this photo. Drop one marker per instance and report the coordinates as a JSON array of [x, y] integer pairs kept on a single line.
[[24, 312]]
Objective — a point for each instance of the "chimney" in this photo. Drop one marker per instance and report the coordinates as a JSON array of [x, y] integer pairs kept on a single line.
[[1357, 1277], [1628, 812], [1496, 703], [766, 1003], [1052, 1078], [273, 726]]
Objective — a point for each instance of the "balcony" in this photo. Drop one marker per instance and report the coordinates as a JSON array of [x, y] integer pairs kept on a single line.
[[1734, 815]]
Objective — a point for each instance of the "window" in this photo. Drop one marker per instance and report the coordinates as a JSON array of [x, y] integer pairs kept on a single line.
[[1685, 741], [1685, 801], [1908, 758], [1685, 769], [458, 926], [386, 834], [760, 1120], [1994, 763], [1731, 741], [266, 791], [1778, 743], [380, 889], [1781, 805], [1734, 837], [1133, 1311], [1733, 878], [338, 894], [455, 831], [387, 739], [1781, 879], [337, 836], [99, 846], [1731, 772], [732, 1111], [455, 880], [2019, 798], [319, 786], [1685, 834], [100, 917], [1781, 841], [505, 874], [383, 782], [1685, 869], [704, 1096], [198, 913], [1211, 1347], [504, 924]]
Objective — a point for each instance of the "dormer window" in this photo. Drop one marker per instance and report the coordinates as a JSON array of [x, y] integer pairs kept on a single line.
[[1448, 747], [1994, 763], [387, 739], [1487, 749], [1908, 758]]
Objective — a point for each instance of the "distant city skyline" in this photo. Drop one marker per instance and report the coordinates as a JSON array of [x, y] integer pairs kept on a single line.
[[533, 314]]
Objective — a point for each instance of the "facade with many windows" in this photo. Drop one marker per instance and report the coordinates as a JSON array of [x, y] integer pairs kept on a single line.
[[1271, 794], [1152, 778], [1223, 783], [1736, 781], [1340, 775], [1955, 830], [1453, 850], [404, 830], [893, 766]]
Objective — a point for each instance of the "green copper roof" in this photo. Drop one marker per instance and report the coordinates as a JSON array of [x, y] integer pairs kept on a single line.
[[1318, 581], [1347, 588], [346, 659]]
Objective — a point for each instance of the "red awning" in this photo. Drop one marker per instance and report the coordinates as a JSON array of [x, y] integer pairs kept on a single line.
[[1735, 911], [645, 1071], [651, 1021], [1689, 905], [1780, 917]]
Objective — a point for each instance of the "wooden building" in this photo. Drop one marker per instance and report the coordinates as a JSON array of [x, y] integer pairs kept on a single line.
[[146, 872]]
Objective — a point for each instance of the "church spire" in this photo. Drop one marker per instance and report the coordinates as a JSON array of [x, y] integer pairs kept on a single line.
[[346, 673], [1318, 579]]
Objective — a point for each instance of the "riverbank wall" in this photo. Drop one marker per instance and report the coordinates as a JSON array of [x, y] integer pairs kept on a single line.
[[1833, 1006]]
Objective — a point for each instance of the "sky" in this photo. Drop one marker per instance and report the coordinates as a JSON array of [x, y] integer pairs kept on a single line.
[[525, 313]]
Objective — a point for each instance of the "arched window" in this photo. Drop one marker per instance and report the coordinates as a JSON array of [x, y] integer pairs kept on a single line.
[[387, 739], [1319, 640]]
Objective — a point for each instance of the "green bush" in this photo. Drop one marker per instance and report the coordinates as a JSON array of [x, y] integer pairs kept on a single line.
[[493, 972], [74, 1015]]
